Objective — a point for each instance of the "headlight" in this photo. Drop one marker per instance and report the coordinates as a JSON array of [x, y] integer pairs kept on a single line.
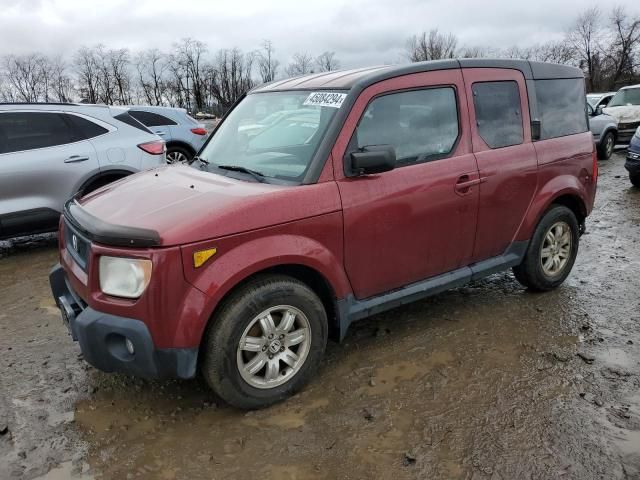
[[638, 132], [124, 277]]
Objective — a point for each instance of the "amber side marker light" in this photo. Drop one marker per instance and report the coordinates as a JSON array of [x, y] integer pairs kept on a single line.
[[201, 257]]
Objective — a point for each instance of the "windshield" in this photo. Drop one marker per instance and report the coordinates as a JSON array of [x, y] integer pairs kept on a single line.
[[593, 100], [628, 96], [273, 134]]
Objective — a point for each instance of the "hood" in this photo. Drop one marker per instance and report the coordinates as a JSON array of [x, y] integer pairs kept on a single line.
[[624, 113], [184, 205]]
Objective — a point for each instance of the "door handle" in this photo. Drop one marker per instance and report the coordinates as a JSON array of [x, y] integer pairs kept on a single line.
[[162, 134], [464, 184], [76, 159]]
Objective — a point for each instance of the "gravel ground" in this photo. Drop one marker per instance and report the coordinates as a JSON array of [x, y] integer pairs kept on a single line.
[[487, 381]]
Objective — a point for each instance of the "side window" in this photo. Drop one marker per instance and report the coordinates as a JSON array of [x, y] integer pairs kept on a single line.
[[561, 107], [421, 125], [84, 128], [605, 101], [498, 113], [21, 131], [150, 119]]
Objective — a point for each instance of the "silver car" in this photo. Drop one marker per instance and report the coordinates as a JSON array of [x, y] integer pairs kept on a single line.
[[183, 134], [51, 152], [605, 132]]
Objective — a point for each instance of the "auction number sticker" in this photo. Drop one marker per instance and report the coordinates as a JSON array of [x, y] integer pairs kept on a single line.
[[326, 99]]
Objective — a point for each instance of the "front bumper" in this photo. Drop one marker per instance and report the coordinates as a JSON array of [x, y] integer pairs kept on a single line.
[[102, 338], [625, 136]]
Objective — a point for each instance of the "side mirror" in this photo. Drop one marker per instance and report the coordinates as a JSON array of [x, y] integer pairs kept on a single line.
[[371, 160], [599, 110], [536, 130]]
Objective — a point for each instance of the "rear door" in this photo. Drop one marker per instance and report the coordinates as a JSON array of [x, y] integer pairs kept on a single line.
[[43, 160], [418, 220], [501, 138]]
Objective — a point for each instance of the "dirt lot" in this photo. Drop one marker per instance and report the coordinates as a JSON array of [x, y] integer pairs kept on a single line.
[[487, 381]]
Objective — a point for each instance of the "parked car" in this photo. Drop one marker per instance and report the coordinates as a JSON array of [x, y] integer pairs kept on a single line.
[[605, 132], [182, 133], [405, 182], [598, 101], [51, 152], [633, 159], [625, 108]]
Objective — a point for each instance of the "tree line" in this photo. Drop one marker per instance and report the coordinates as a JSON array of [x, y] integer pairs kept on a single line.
[[606, 45], [188, 76]]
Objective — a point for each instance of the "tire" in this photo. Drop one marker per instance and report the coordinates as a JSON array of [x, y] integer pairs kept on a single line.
[[605, 147], [239, 318], [635, 179], [534, 271], [178, 155]]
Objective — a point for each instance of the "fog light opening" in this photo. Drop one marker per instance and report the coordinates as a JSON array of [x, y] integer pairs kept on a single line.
[[129, 346]]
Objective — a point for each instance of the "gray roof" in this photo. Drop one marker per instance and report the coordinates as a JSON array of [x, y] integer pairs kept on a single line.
[[347, 79]]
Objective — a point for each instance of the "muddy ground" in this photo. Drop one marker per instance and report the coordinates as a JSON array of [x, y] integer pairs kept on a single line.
[[483, 382]]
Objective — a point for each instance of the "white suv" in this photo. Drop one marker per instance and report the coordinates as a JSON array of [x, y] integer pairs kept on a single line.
[[50, 152]]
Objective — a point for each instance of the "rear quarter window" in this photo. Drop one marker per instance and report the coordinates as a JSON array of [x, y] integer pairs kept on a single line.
[[151, 119], [561, 107], [129, 120], [85, 129]]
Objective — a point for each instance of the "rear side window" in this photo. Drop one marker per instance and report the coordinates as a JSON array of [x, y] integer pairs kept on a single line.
[[498, 113], [150, 119], [421, 125], [561, 106], [21, 131], [84, 128], [129, 120]]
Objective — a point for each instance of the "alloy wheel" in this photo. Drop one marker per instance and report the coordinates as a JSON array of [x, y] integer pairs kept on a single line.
[[177, 157], [274, 346], [556, 249]]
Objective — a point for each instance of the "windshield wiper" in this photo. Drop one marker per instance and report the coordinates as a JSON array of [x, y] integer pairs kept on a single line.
[[201, 160], [260, 177]]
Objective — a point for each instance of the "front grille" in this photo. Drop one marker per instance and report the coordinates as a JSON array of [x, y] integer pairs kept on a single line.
[[77, 245], [628, 126]]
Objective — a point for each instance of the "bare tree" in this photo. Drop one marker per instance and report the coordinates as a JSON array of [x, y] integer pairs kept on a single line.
[[88, 74], [152, 67], [431, 46], [622, 53], [301, 64], [190, 55], [60, 83], [267, 64], [230, 77], [26, 76], [327, 62], [584, 37]]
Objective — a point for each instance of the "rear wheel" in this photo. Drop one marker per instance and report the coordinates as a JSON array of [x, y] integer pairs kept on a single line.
[[552, 251], [605, 148], [178, 155], [635, 179], [266, 342]]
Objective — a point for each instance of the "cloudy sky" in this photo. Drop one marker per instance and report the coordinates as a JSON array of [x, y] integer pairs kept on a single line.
[[361, 32]]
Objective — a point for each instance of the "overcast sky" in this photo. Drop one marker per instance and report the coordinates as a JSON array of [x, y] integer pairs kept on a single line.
[[360, 32]]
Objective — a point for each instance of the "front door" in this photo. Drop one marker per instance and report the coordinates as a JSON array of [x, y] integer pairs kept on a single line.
[[418, 220]]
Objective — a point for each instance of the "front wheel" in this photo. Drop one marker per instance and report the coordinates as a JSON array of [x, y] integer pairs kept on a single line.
[[607, 143], [635, 179], [552, 251], [266, 343]]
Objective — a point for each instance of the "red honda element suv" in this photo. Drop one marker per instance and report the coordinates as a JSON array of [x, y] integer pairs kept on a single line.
[[321, 200]]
